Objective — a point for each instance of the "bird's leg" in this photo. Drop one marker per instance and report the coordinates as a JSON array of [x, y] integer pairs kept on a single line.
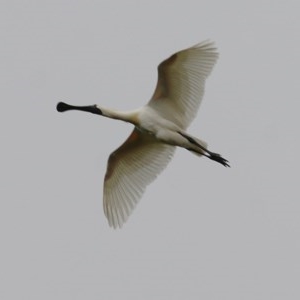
[[211, 155]]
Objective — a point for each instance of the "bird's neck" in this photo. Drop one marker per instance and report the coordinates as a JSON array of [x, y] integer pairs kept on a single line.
[[130, 116]]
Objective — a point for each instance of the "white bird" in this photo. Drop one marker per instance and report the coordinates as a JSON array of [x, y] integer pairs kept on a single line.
[[159, 127]]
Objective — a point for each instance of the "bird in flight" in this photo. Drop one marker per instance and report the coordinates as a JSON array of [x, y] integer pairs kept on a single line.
[[159, 127]]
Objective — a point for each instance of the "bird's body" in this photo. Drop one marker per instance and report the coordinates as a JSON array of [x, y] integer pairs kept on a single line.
[[160, 126]]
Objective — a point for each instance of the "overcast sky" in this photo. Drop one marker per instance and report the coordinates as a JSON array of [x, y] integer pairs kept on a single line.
[[201, 231]]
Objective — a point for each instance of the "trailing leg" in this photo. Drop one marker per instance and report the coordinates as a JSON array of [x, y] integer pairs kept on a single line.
[[204, 151]]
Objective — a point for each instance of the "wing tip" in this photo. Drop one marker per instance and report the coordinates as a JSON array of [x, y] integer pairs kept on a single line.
[[207, 43], [208, 46]]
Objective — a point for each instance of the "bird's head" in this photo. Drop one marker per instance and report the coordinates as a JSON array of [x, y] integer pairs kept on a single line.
[[94, 109]]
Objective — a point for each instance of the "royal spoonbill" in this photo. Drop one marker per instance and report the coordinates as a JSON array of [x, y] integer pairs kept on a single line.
[[159, 127]]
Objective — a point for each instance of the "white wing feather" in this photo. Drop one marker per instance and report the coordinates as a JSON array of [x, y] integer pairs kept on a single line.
[[136, 163], [181, 80], [132, 167]]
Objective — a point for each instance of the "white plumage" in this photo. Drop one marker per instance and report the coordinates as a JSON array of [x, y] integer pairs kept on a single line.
[[159, 127]]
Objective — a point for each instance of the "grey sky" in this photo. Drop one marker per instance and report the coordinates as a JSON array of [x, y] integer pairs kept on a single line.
[[201, 231]]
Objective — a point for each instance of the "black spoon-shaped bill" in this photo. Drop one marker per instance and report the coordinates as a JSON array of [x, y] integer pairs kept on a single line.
[[62, 106]]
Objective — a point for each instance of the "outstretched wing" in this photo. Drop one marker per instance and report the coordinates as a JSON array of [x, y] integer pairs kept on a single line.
[[130, 168], [181, 80]]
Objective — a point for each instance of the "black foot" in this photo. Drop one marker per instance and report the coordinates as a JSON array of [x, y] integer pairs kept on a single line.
[[218, 158]]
